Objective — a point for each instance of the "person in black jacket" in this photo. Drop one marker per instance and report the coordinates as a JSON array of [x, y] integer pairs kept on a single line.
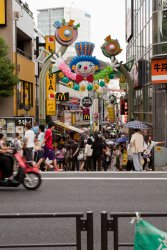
[[97, 147]]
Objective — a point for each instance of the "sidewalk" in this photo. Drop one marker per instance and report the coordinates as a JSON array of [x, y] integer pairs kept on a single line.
[[164, 168]]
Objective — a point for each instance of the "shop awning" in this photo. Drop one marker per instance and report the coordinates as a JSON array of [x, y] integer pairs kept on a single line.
[[69, 127]]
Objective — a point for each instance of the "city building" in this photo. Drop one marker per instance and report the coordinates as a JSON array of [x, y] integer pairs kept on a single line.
[[146, 36], [18, 32], [47, 17]]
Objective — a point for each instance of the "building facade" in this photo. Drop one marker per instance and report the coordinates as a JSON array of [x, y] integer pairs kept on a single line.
[[146, 36], [47, 17], [18, 32]]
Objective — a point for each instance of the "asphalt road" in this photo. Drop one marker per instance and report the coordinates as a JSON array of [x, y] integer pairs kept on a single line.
[[81, 192]]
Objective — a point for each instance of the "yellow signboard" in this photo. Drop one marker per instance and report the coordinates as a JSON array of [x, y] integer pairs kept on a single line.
[[50, 94], [50, 43], [50, 80], [111, 114], [2, 12]]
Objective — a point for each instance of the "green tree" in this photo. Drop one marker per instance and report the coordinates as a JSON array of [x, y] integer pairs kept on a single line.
[[8, 79]]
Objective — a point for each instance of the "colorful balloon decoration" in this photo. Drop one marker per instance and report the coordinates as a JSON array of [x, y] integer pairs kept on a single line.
[[111, 47], [66, 32], [83, 69]]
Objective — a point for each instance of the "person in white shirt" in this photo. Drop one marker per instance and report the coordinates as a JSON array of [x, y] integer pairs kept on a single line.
[[88, 153], [29, 142], [137, 148]]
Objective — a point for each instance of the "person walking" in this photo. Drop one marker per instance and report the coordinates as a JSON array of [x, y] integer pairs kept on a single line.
[[39, 142], [48, 148], [137, 148], [29, 142], [97, 147], [88, 154]]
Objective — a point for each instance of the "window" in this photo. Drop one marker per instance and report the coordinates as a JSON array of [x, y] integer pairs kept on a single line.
[[25, 95]]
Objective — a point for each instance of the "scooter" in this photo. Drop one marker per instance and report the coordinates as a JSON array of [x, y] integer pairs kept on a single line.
[[27, 173]]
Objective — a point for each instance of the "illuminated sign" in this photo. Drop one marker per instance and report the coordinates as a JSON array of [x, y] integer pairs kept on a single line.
[[159, 70], [62, 97], [2, 12]]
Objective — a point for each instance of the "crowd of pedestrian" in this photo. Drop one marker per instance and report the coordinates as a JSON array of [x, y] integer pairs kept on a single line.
[[98, 152]]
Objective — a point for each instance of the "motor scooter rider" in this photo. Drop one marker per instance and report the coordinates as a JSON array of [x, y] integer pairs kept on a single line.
[[6, 161]]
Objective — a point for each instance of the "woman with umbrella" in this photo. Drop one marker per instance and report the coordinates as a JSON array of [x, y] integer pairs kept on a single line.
[[137, 143]]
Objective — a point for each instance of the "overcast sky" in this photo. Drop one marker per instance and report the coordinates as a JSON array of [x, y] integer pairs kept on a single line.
[[107, 18]]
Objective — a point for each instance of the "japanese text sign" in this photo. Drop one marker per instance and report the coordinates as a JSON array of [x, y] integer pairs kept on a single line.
[[159, 70]]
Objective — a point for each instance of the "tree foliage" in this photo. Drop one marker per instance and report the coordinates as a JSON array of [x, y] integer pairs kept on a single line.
[[8, 79]]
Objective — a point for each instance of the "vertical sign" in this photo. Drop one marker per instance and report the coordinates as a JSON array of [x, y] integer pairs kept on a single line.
[[111, 114], [2, 12], [86, 114], [50, 80]]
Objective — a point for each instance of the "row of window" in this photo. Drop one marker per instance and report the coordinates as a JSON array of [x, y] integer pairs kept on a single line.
[[140, 49], [25, 94]]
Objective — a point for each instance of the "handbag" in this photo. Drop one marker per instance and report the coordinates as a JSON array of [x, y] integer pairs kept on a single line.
[[81, 156], [146, 154]]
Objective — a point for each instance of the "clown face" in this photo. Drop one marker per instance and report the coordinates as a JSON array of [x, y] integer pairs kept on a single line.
[[85, 68]]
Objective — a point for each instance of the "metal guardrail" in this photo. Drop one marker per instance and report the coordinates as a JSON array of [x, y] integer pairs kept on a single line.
[[81, 225], [111, 225]]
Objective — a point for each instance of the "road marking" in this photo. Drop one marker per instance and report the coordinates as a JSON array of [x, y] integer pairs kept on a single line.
[[101, 178], [104, 172]]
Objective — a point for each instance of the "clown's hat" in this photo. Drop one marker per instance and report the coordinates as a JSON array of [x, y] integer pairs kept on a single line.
[[84, 52], [84, 48]]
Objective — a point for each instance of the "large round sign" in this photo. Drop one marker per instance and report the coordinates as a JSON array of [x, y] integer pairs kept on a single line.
[[87, 101]]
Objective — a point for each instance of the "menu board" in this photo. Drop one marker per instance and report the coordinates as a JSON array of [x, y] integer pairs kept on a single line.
[[9, 126]]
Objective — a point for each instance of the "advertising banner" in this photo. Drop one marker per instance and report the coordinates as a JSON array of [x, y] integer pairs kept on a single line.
[[50, 80]]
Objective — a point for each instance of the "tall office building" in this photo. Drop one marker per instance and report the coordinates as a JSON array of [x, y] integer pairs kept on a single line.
[[47, 17], [146, 36]]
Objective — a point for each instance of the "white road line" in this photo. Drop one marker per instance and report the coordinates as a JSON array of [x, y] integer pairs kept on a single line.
[[101, 178], [104, 172]]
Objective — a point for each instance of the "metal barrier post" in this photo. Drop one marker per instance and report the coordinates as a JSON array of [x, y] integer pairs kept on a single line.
[[115, 225], [78, 233], [104, 231], [90, 239]]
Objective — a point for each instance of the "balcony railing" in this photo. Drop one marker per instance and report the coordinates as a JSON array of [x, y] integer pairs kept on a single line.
[[21, 52]]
